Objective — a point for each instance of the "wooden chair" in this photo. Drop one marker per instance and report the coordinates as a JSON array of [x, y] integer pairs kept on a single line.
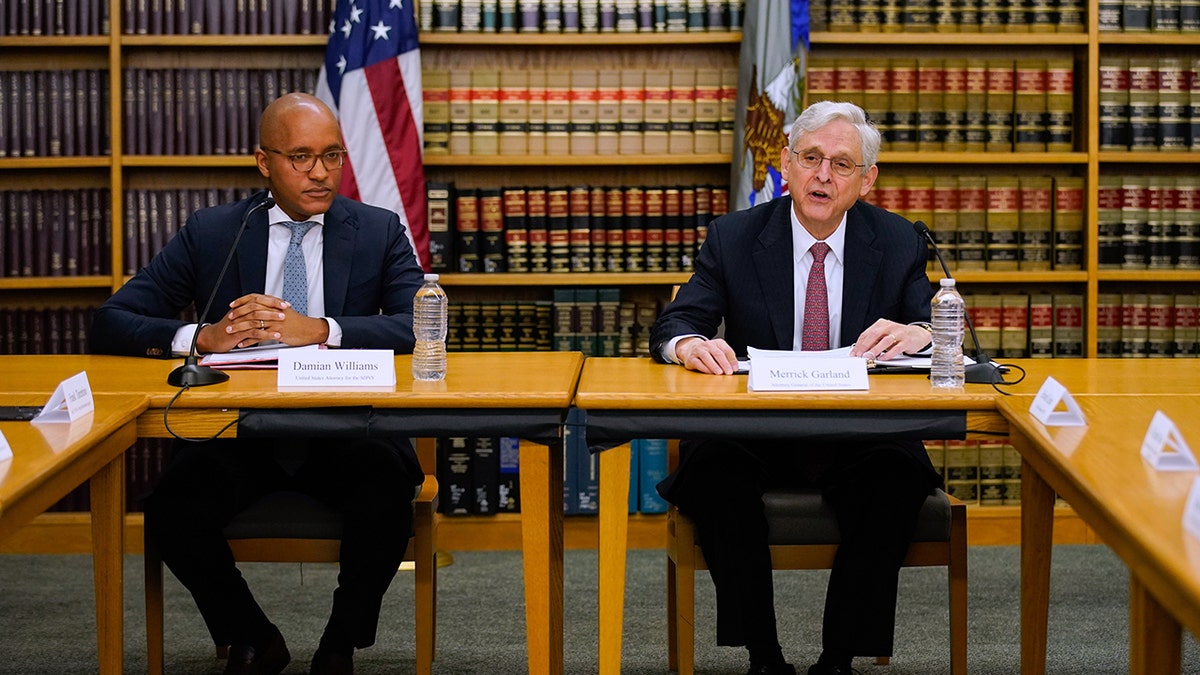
[[804, 536], [292, 527]]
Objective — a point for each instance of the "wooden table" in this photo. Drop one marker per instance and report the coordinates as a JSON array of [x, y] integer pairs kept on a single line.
[[1134, 508], [637, 398], [522, 394], [50, 460]]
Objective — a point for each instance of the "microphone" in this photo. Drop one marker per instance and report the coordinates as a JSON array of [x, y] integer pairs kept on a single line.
[[191, 373], [982, 371]]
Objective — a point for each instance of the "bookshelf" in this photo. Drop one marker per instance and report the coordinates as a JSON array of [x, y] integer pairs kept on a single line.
[[115, 54]]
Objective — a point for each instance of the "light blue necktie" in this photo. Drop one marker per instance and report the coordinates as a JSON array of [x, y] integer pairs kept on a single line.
[[295, 276]]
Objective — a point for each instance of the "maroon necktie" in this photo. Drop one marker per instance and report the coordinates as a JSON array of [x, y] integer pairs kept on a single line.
[[816, 304]]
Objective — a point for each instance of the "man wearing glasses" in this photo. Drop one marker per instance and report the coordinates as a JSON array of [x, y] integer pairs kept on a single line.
[[315, 268], [813, 270]]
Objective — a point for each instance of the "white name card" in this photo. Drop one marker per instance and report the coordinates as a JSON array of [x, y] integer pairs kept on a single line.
[[1164, 446], [5, 448], [1045, 404], [337, 368], [1191, 510], [70, 401], [794, 373]]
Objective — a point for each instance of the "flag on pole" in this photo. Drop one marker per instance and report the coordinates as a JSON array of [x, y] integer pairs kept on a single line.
[[770, 96], [371, 79]]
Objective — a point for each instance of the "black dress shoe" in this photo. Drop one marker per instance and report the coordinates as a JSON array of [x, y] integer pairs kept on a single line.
[[327, 662], [270, 660], [772, 669]]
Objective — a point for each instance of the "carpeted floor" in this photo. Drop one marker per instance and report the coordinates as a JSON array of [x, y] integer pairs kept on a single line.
[[47, 619]]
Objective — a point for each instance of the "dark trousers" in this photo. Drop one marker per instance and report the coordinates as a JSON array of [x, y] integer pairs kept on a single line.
[[207, 484], [875, 489]]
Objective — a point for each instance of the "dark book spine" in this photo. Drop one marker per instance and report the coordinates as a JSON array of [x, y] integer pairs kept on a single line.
[[57, 229], [467, 248], [598, 237], [509, 484], [143, 112], [491, 230], [579, 224], [655, 230], [558, 226], [672, 229], [454, 475], [485, 469], [537, 203], [516, 230], [614, 229], [438, 203], [635, 229]]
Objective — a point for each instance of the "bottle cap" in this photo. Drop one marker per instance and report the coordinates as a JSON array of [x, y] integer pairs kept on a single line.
[[431, 277], [946, 282]]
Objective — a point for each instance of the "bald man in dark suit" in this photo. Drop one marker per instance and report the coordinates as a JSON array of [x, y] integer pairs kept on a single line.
[[753, 274], [360, 276]]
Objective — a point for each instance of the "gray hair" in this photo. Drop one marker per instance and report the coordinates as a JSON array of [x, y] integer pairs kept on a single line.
[[822, 113]]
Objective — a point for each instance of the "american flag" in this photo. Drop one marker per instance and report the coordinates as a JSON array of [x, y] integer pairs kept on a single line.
[[372, 80]]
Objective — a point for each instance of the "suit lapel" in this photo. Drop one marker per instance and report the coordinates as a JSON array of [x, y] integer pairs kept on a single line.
[[339, 232], [252, 255], [776, 273], [859, 275]]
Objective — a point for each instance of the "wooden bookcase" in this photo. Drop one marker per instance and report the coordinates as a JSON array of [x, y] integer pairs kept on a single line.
[[117, 171]]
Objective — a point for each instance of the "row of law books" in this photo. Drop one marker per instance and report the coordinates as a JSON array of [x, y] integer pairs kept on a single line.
[[1149, 103], [999, 222], [54, 17], [481, 476], [1148, 222], [227, 17], [561, 229], [1026, 325], [986, 472], [581, 16], [1147, 325], [957, 105], [948, 16], [152, 217], [202, 111], [580, 111], [44, 330], [594, 321], [55, 233], [54, 113], [1139, 16]]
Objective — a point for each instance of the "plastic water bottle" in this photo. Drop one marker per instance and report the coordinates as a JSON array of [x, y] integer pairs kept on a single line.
[[429, 327], [946, 371]]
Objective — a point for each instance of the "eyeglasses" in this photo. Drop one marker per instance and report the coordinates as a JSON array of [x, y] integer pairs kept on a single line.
[[305, 161], [840, 165]]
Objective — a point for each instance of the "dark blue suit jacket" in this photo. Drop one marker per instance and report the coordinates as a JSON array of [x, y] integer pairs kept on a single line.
[[744, 274], [371, 275]]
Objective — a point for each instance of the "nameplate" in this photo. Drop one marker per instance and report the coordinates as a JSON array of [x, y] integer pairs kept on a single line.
[[1055, 407], [1191, 510], [70, 401], [1164, 446], [337, 368], [786, 373], [5, 448]]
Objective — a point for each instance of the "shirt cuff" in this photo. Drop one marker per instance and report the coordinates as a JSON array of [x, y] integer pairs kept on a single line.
[[181, 344], [335, 333]]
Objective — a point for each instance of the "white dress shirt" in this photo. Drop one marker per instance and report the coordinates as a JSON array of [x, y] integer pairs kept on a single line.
[[278, 238]]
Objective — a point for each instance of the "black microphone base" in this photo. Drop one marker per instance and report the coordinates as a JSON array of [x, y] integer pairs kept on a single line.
[[984, 373], [193, 375]]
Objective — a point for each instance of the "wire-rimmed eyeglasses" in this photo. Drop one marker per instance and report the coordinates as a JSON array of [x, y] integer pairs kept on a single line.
[[839, 165]]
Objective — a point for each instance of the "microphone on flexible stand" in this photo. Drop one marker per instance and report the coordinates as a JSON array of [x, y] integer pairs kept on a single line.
[[983, 371], [191, 373]]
